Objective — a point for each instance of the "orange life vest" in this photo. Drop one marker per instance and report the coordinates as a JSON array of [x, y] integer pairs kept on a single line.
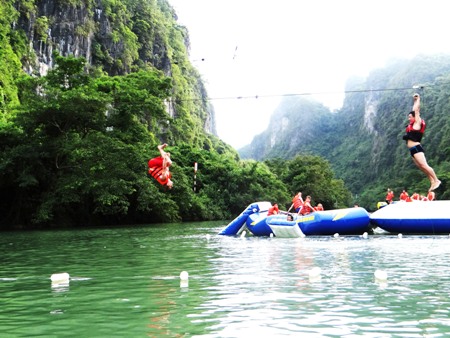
[[306, 209], [156, 172], [297, 202]]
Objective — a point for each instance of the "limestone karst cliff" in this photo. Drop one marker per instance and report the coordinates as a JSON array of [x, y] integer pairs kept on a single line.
[[116, 36]]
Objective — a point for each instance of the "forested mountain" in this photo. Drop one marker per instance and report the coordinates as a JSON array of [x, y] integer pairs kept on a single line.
[[363, 140], [88, 89]]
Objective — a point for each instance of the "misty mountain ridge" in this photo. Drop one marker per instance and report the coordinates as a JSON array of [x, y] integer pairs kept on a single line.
[[362, 140]]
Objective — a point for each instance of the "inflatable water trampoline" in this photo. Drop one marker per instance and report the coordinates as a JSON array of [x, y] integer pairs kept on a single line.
[[349, 221], [418, 217]]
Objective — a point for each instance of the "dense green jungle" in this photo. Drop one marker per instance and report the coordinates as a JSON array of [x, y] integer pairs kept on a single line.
[[75, 139]]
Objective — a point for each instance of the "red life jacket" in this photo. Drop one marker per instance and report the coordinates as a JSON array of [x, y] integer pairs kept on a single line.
[[156, 172], [297, 202], [306, 209], [273, 210], [415, 135], [390, 196]]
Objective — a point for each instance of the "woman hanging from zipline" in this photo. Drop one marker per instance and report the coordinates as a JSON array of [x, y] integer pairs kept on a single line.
[[413, 136], [158, 167]]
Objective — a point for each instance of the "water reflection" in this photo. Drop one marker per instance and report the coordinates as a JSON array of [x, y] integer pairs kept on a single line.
[[273, 278], [126, 282]]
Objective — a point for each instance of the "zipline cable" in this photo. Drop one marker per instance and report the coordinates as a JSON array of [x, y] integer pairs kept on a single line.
[[246, 97]]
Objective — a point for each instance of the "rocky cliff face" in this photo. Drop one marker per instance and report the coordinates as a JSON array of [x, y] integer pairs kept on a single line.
[[370, 112], [81, 30], [60, 34], [88, 29]]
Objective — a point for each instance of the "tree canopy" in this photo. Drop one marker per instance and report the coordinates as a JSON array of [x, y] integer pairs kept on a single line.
[[76, 153]]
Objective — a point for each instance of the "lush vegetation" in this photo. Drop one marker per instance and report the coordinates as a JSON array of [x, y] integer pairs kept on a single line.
[[74, 143]]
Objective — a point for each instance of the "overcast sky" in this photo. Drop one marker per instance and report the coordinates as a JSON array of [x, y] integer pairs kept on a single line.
[[270, 48]]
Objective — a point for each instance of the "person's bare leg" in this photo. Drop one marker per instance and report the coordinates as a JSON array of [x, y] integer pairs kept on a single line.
[[423, 167], [421, 162], [161, 149], [162, 146]]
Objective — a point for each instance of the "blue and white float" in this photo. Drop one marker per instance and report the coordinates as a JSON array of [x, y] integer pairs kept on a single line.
[[349, 221], [418, 217]]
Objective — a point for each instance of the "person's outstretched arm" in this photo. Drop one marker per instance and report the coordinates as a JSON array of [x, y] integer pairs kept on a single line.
[[416, 110]]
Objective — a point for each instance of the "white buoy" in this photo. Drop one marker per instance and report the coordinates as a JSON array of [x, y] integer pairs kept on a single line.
[[184, 279], [400, 236], [365, 235], [57, 278], [380, 275], [314, 272], [184, 275]]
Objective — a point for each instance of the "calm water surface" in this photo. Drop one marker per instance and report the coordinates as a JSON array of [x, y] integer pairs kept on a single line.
[[125, 283]]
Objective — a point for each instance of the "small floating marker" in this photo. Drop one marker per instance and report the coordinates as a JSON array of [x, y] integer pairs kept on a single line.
[[365, 235], [60, 281], [380, 275], [314, 274], [315, 271], [400, 236], [184, 279], [336, 235], [184, 275], [243, 234], [58, 278]]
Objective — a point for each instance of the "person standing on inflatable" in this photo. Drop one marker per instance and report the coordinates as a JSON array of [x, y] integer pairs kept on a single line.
[[158, 167], [297, 202], [413, 136], [389, 196]]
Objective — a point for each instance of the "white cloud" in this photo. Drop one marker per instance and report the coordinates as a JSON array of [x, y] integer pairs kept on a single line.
[[298, 46]]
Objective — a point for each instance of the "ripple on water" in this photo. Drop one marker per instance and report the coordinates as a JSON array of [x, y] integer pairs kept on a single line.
[[128, 283]]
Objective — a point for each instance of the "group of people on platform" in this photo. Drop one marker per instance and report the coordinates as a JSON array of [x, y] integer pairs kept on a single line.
[[404, 196], [301, 207]]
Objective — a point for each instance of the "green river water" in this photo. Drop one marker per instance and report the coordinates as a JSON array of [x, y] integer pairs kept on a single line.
[[125, 282]]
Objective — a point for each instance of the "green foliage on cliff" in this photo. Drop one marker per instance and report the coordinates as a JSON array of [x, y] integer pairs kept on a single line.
[[9, 61]]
